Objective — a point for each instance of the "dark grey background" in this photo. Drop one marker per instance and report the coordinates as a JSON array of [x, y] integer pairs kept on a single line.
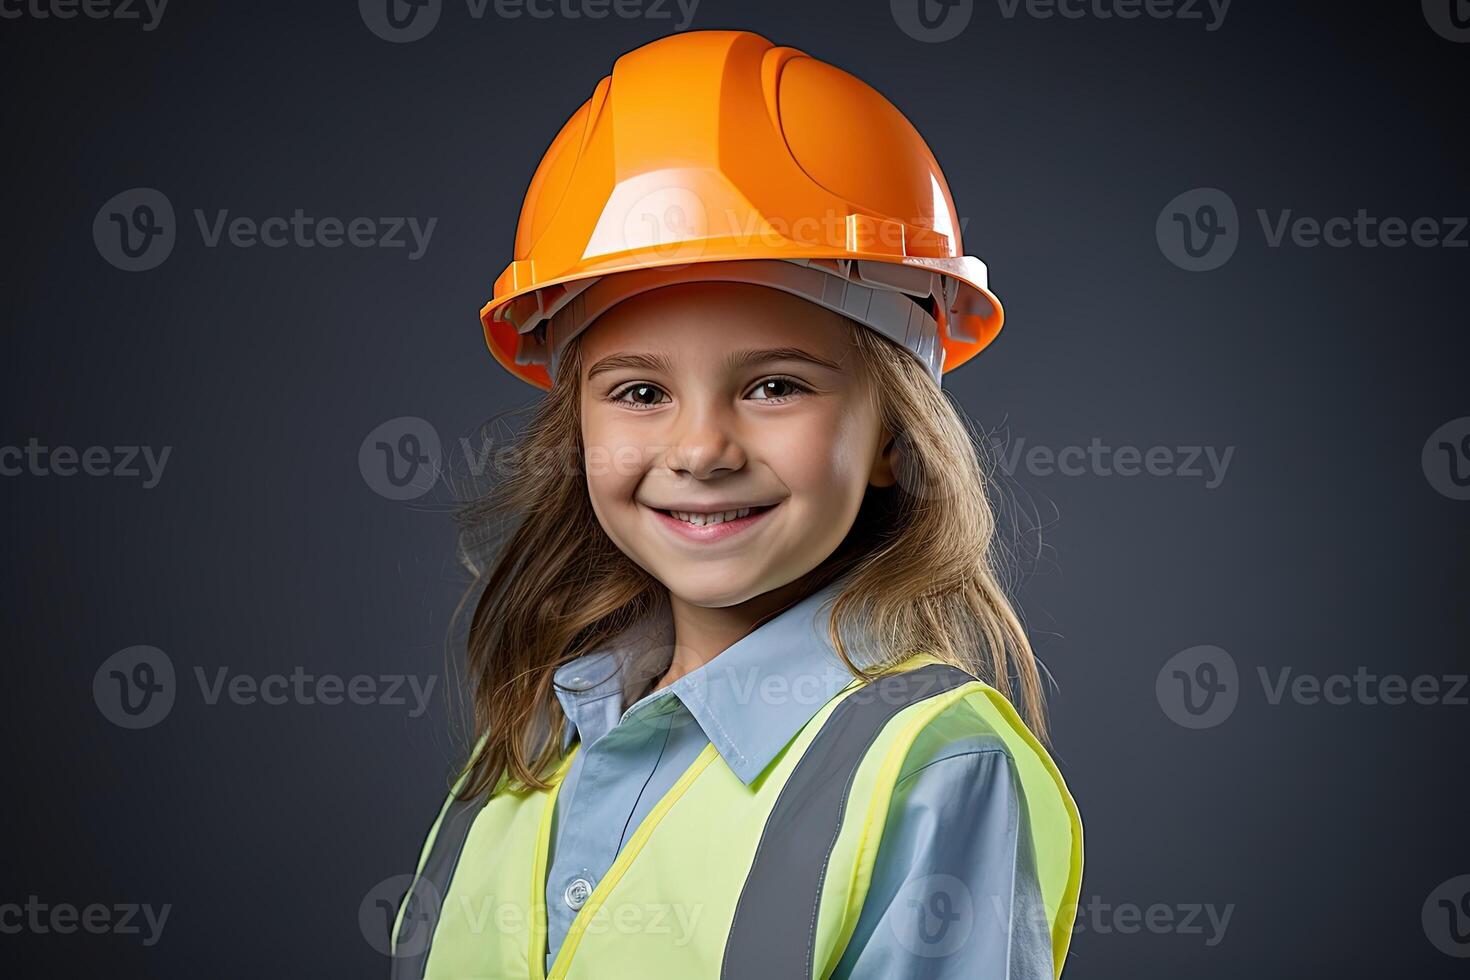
[[1322, 828]]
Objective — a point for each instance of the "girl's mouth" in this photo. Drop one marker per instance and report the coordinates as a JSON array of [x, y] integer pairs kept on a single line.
[[711, 527]]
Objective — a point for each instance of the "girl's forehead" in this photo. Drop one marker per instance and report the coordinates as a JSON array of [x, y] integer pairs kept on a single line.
[[715, 314]]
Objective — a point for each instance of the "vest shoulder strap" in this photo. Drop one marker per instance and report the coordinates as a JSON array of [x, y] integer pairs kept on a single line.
[[774, 930], [418, 911]]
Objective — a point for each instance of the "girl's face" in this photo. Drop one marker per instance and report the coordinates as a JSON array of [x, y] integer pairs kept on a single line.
[[706, 398]]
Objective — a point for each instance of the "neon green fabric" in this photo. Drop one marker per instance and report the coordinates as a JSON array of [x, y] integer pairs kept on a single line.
[[664, 908]]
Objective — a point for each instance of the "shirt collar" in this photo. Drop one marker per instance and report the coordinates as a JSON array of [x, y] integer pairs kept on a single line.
[[750, 700]]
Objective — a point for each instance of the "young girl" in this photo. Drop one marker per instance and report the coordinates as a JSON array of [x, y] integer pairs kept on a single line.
[[743, 670]]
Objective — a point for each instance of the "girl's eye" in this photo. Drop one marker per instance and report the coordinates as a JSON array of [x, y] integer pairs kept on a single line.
[[641, 394], [639, 391], [777, 389]]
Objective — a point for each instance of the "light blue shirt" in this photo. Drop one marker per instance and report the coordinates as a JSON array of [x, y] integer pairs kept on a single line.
[[954, 890]]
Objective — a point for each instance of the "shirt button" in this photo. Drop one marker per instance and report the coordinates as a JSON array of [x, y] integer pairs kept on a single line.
[[577, 892]]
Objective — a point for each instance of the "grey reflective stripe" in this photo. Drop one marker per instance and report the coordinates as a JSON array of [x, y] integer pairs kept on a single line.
[[774, 931], [426, 896]]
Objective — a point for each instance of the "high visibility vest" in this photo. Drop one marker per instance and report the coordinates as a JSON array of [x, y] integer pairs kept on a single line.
[[722, 879]]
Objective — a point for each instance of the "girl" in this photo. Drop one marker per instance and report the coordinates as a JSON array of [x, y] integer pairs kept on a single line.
[[743, 671]]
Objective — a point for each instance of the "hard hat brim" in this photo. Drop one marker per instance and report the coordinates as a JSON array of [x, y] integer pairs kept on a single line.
[[975, 321]]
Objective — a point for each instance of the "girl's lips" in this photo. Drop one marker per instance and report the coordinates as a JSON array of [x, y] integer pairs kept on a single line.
[[711, 532]]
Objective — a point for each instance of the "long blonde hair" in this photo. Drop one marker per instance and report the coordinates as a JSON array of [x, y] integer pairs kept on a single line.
[[922, 556]]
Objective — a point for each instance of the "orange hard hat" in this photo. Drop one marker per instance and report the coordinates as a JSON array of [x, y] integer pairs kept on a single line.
[[716, 155]]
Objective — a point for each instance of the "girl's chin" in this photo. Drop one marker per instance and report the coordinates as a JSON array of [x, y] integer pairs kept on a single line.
[[717, 595]]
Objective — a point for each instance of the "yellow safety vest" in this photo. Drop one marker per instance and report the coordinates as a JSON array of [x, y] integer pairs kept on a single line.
[[722, 879]]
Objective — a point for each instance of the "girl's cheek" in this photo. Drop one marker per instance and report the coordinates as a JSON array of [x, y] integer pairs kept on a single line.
[[613, 466], [816, 452]]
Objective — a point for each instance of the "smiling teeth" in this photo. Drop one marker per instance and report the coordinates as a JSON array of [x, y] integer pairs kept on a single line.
[[703, 520]]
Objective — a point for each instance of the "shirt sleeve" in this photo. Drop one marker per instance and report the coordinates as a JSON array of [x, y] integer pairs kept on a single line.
[[954, 891]]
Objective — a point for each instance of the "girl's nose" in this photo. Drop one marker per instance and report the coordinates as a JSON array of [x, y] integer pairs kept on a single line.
[[704, 445]]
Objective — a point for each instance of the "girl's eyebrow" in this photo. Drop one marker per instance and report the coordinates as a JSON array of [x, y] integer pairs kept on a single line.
[[641, 362], [759, 355], [735, 360]]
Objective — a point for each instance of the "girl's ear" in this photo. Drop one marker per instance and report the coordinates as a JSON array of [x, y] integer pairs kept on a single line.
[[885, 464]]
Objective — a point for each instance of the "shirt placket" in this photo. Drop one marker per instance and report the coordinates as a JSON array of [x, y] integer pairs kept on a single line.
[[614, 770]]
